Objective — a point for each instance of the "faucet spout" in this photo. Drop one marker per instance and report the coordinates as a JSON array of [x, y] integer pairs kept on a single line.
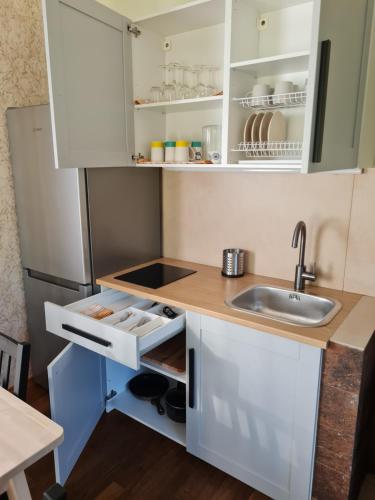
[[300, 232], [301, 276]]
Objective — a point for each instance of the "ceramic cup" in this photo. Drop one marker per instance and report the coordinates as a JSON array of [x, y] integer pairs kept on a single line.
[[261, 91], [282, 88]]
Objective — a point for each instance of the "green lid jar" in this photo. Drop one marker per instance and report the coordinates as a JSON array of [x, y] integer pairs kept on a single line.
[[196, 150], [170, 148]]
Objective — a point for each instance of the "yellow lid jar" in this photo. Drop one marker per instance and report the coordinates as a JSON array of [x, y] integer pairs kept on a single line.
[[157, 152], [182, 151]]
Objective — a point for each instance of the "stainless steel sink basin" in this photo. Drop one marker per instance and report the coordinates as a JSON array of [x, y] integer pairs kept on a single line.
[[287, 306]]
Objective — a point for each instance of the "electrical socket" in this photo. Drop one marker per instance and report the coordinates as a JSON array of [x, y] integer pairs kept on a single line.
[[262, 23], [167, 44]]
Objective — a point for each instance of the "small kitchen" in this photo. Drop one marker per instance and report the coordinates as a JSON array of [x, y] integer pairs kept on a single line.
[[194, 220]]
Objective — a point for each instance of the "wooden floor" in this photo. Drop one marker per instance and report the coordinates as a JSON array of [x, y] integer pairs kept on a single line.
[[126, 460]]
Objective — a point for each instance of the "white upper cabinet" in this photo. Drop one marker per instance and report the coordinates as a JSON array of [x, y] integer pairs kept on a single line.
[[322, 48], [90, 84], [293, 83], [337, 89]]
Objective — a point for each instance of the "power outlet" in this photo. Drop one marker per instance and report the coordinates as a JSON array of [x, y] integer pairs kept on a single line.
[[262, 23], [167, 44]]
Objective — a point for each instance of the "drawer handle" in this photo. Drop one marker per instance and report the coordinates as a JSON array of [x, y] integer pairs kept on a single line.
[[191, 377], [86, 335], [325, 55]]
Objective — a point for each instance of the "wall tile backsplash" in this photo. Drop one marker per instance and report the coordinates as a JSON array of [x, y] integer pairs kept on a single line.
[[205, 213]]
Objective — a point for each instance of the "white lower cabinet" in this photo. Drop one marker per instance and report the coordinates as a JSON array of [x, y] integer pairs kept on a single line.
[[253, 400], [252, 397]]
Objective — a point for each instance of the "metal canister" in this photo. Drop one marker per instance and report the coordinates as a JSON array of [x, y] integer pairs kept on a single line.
[[233, 263]]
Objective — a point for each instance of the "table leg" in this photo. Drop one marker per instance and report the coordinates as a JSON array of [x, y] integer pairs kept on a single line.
[[18, 489]]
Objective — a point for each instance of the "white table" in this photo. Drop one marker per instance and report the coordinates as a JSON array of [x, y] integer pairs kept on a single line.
[[25, 436]]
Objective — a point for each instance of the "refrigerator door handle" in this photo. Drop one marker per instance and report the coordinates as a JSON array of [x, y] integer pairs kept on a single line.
[[61, 282]]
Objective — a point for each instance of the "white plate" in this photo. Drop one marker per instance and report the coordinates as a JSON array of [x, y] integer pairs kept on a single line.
[[277, 128], [248, 127], [256, 127], [263, 133]]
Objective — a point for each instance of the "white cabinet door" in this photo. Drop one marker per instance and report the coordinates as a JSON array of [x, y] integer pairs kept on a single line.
[[90, 84], [252, 405], [77, 388], [337, 84]]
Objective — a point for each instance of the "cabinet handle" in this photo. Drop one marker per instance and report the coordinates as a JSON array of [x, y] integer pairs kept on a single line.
[[191, 377], [325, 55], [86, 335]]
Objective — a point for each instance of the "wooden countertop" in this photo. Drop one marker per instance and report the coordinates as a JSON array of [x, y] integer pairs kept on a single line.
[[205, 292]]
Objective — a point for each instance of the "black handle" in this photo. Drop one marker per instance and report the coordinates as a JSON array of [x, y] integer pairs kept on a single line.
[[325, 56], [191, 377], [86, 335], [156, 402]]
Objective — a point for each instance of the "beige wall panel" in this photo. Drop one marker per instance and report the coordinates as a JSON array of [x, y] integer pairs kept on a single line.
[[204, 213], [360, 270]]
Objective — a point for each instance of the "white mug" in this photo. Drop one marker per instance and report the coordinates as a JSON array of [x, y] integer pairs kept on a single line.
[[282, 88], [261, 90]]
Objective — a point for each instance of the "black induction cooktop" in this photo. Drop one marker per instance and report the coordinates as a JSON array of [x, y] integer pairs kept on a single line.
[[155, 275]]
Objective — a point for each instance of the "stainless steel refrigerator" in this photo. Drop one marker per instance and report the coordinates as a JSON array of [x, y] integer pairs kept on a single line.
[[74, 225]]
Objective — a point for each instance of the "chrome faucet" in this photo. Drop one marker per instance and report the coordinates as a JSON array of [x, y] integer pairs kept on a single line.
[[301, 274]]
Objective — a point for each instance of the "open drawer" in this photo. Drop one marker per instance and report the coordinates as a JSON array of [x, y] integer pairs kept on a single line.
[[116, 336]]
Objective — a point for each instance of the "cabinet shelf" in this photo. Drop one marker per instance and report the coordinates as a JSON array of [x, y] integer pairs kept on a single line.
[[242, 166], [169, 358], [146, 413], [199, 103], [274, 101], [294, 62]]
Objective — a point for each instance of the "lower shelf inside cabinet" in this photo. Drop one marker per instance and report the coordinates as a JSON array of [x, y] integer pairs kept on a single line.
[[146, 413], [169, 358]]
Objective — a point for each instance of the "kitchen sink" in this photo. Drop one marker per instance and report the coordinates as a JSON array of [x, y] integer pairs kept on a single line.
[[287, 306]]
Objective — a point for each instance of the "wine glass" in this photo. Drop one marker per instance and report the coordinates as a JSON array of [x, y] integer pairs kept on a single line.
[[166, 80], [198, 88], [181, 88], [211, 85], [169, 92], [184, 91], [156, 94]]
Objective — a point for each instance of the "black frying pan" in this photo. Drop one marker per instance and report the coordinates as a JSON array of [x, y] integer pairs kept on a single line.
[[150, 387]]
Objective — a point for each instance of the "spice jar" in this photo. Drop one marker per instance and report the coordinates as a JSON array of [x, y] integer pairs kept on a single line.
[[182, 151], [157, 152], [169, 151]]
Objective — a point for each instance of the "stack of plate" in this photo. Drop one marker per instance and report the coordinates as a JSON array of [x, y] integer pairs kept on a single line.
[[263, 127]]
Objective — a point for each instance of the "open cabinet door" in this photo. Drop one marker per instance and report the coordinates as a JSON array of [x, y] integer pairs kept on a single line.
[[336, 88], [89, 64], [76, 379]]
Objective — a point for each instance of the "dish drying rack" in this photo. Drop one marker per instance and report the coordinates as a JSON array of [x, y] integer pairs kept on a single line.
[[267, 150], [273, 101]]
